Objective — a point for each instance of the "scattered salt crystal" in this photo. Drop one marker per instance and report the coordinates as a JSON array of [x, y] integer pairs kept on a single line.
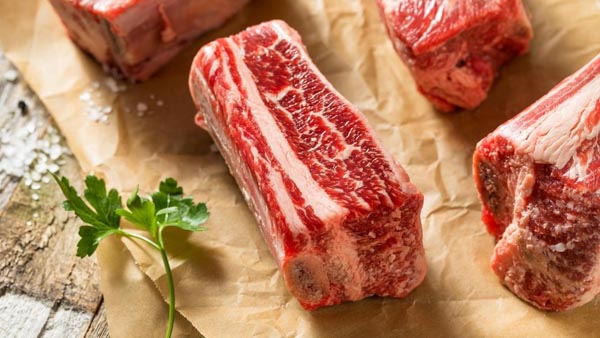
[[55, 151], [107, 110], [112, 84], [152, 96], [559, 247], [53, 168], [85, 96], [141, 107], [40, 168], [35, 197], [29, 223], [372, 234], [36, 215], [30, 127], [46, 179], [160, 103], [23, 154], [36, 176], [36, 186], [11, 75]]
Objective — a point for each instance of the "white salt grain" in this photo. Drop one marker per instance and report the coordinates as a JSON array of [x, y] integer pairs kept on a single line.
[[36, 186], [46, 179], [112, 84], [559, 247], [141, 107], [160, 103], [55, 151], [11, 75], [85, 96], [53, 168], [29, 223], [35, 197], [36, 176]]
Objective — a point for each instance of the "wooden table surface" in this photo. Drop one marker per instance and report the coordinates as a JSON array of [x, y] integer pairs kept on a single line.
[[45, 290]]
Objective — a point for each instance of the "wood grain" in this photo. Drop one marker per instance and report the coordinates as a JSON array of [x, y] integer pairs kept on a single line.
[[45, 290], [99, 327]]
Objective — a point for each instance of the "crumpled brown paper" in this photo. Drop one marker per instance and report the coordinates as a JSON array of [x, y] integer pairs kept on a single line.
[[227, 284]]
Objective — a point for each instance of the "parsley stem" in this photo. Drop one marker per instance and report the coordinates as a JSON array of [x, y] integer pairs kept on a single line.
[[165, 260], [141, 238]]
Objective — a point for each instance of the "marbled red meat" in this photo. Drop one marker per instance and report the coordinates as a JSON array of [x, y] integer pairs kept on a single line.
[[537, 177], [454, 48], [340, 216], [137, 37]]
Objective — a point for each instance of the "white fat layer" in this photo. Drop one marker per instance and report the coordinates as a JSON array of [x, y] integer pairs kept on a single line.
[[555, 136], [242, 171], [398, 174], [324, 207]]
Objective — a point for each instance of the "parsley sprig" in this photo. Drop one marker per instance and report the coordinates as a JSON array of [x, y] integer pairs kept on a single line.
[[103, 211]]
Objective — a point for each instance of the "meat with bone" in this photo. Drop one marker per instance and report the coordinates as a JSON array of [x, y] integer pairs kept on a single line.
[[454, 48], [340, 215], [137, 37], [538, 177]]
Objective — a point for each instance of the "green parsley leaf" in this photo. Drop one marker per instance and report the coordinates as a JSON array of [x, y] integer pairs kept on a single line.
[[141, 212], [103, 211], [174, 210], [102, 219]]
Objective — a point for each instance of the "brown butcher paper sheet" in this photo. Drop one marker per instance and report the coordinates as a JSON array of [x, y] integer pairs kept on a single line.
[[227, 283]]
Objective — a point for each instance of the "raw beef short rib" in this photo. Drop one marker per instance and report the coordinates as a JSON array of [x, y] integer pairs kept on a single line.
[[454, 48], [137, 37], [538, 177], [340, 216]]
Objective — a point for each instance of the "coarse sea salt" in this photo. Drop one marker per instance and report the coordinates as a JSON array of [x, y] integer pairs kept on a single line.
[[11, 75], [91, 97], [99, 113], [24, 154]]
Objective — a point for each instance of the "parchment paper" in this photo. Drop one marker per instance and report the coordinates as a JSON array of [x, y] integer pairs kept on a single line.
[[227, 284]]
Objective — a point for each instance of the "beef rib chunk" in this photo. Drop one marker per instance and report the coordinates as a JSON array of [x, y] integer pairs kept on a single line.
[[454, 48], [538, 177], [137, 37], [340, 215]]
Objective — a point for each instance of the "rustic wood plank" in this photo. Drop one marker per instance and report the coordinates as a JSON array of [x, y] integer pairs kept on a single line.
[[66, 323], [99, 327], [45, 290], [22, 316]]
